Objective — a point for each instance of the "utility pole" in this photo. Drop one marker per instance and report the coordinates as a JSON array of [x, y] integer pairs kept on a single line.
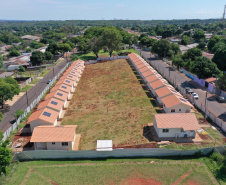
[[27, 97], [205, 105]]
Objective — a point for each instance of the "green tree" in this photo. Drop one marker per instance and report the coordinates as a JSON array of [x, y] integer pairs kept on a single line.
[[14, 53], [28, 50], [37, 58], [161, 47], [213, 40], [219, 46], [199, 35], [18, 113], [5, 155], [1, 62], [221, 82], [53, 48], [8, 88], [185, 40], [83, 46], [178, 61], [220, 57], [112, 39], [48, 55], [22, 69], [1, 116], [204, 68], [192, 54], [96, 45], [201, 45], [166, 34]]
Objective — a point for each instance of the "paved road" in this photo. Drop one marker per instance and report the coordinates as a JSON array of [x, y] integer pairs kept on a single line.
[[21, 104], [219, 109]]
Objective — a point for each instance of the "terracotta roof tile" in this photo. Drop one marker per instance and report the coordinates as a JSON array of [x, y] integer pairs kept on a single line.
[[151, 78], [163, 91], [54, 133], [187, 121], [173, 100], [147, 73], [41, 115], [65, 81], [62, 87], [144, 69], [51, 103], [141, 66], [57, 95], [156, 84]]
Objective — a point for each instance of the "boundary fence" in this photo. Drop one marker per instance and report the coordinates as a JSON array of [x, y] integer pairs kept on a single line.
[[117, 153], [197, 103], [32, 105]]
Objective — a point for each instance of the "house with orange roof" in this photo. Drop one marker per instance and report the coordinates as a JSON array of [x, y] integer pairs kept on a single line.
[[150, 79], [44, 116], [154, 85], [164, 92], [59, 95], [54, 137], [146, 74], [144, 69], [66, 82], [64, 88], [177, 125], [141, 65], [53, 104], [176, 103]]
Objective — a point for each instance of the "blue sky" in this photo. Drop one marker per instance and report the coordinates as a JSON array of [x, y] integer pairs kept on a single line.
[[114, 9]]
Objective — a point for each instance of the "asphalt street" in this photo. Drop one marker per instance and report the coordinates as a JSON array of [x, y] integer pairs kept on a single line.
[[218, 109], [22, 103]]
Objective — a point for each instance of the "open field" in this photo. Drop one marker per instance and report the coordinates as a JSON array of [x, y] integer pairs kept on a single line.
[[112, 171], [110, 103]]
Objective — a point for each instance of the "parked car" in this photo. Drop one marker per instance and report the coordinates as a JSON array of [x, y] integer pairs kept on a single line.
[[220, 99], [188, 90], [196, 96], [49, 81]]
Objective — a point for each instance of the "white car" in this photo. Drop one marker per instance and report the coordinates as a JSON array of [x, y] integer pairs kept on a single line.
[[196, 96]]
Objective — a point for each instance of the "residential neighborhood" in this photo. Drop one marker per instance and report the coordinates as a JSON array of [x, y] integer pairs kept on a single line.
[[113, 92]]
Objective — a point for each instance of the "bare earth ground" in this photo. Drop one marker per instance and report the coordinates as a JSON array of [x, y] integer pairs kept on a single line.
[[109, 103], [140, 172]]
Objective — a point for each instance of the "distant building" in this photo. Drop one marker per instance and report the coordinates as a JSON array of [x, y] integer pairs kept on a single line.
[[30, 38]]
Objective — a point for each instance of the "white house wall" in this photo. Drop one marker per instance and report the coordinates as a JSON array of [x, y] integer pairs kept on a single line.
[[184, 108], [39, 122]]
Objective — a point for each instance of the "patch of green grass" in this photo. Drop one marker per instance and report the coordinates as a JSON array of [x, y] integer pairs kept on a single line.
[[109, 171], [215, 134], [44, 73], [26, 88], [35, 81]]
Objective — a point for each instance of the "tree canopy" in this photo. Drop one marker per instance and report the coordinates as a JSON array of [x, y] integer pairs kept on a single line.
[[37, 58], [8, 88]]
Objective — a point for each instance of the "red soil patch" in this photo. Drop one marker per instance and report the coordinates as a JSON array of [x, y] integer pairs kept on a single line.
[[146, 145], [178, 181], [142, 182], [204, 137], [191, 182]]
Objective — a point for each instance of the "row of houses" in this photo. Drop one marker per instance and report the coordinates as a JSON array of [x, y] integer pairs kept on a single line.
[[177, 121], [44, 122]]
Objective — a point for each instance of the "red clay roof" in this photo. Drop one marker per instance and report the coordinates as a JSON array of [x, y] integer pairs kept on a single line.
[[144, 69], [187, 121], [156, 84], [163, 91], [151, 78], [141, 66], [51, 103], [211, 79], [40, 114], [173, 100], [147, 73], [54, 133], [57, 95], [62, 87], [65, 81]]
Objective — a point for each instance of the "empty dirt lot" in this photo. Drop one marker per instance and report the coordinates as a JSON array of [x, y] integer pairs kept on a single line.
[[109, 103]]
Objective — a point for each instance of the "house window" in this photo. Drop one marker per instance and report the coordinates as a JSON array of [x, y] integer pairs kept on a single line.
[[165, 130], [64, 143], [172, 110], [179, 109], [53, 143]]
